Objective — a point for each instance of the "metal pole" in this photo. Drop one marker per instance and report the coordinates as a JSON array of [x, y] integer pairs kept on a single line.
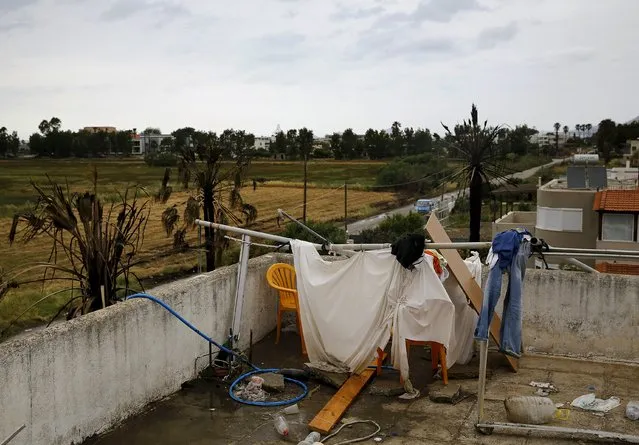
[[593, 251], [581, 265], [345, 206], [253, 233], [593, 256], [199, 249], [8, 439], [302, 225], [242, 269], [483, 360], [573, 433]]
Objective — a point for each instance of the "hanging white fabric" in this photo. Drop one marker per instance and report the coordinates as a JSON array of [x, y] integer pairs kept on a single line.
[[461, 345], [348, 307]]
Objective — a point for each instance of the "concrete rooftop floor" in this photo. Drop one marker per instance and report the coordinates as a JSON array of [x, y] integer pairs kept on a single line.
[[202, 413]]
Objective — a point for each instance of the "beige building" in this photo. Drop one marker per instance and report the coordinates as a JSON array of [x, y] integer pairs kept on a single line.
[[583, 218], [100, 129]]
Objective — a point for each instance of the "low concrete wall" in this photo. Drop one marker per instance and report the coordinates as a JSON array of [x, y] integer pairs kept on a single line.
[[580, 314], [84, 376]]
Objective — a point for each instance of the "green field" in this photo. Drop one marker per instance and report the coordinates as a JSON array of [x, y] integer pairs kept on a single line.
[[16, 191]]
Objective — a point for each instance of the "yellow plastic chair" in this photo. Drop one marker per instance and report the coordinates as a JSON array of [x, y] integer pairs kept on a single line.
[[281, 276]]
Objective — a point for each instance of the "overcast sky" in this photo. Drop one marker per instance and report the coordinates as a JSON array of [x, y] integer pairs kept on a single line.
[[324, 64]]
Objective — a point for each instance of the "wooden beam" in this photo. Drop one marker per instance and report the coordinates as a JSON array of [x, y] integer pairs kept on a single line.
[[328, 417], [459, 270]]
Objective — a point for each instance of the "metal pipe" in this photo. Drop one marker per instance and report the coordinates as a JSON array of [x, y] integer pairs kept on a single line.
[[598, 251], [593, 256], [8, 439], [241, 231], [302, 225], [574, 433], [581, 265], [242, 269], [483, 360]]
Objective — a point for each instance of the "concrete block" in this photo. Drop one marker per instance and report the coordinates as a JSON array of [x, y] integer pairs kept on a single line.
[[273, 382]]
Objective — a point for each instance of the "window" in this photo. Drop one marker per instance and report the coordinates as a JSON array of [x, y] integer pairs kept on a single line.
[[618, 227], [559, 220]]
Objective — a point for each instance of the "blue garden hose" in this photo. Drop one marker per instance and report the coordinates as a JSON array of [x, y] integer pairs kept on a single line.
[[256, 370]]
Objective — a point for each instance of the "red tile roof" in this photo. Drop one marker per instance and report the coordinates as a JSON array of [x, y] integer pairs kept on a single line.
[[617, 268], [617, 201]]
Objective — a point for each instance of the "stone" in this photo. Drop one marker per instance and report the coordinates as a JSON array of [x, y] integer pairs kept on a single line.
[[273, 382], [450, 393], [334, 379], [386, 385]]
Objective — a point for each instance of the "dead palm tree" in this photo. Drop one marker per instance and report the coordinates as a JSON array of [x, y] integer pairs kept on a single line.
[[475, 146], [90, 246], [217, 188]]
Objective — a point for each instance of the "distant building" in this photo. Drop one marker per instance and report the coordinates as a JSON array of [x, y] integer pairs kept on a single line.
[[548, 139], [100, 129], [148, 143], [632, 147], [263, 142]]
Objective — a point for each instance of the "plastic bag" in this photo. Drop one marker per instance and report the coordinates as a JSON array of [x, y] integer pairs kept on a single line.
[[632, 410], [588, 402]]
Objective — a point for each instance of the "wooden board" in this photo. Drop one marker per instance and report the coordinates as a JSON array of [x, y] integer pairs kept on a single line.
[[328, 417], [460, 271]]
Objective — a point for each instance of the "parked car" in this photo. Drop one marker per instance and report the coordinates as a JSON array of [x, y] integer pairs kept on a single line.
[[424, 206]]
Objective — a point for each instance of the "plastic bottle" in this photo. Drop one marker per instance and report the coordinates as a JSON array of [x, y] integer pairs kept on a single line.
[[632, 410], [310, 439], [281, 426]]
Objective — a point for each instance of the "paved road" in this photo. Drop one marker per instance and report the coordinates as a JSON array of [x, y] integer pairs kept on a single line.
[[356, 227]]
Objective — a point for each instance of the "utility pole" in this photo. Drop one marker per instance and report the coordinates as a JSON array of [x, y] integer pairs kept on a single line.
[[305, 178], [345, 206]]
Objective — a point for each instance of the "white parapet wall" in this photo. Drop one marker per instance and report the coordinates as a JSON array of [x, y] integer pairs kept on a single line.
[[581, 314], [85, 376], [81, 377]]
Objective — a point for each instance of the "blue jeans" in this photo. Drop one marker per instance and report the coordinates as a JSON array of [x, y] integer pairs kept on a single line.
[[510, 332]]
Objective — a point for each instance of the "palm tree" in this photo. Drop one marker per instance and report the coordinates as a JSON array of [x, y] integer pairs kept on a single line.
[[577, 129], [589, 128], [566, 131], [557, 126], [475, 146], [201, 166]]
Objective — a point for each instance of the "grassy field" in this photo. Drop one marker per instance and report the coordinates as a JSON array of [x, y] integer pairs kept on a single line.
[[282, 190]]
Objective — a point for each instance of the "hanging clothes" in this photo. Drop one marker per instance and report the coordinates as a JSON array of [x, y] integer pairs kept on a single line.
[[408, 249], [349, 307], [508, 254], [439, 264]]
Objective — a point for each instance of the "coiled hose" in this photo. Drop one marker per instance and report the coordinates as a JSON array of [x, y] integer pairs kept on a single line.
[[256, 370]]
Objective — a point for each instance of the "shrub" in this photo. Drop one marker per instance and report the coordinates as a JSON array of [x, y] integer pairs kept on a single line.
[[419, 173], [393, 228], [162, 159]]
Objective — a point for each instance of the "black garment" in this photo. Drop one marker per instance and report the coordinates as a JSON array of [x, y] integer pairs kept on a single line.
[[408, 249]]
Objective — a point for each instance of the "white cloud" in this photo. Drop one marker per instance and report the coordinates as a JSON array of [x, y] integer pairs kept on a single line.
[[325, 65]]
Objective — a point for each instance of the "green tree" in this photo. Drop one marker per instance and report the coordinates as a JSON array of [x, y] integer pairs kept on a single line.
[[397, 138], [292, 150], [305, 144], [218, 190], [557, 126], [393, 228], [606, 135], [422, 141], [474, 145], [348, 144], [278, 146], [336, 146]]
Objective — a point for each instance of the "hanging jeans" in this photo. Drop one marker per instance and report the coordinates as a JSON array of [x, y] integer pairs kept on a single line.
[[510, 332]]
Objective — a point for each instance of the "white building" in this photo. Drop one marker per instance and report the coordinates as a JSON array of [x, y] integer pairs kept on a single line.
[[148, 143], [263, 142], [548, 139]]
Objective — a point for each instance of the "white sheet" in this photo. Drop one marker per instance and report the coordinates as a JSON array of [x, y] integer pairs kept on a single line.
[[461, 346], [349, 306]]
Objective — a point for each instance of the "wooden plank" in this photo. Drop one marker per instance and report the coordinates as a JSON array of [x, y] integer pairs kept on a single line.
[[328, 417], [460, 271]]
